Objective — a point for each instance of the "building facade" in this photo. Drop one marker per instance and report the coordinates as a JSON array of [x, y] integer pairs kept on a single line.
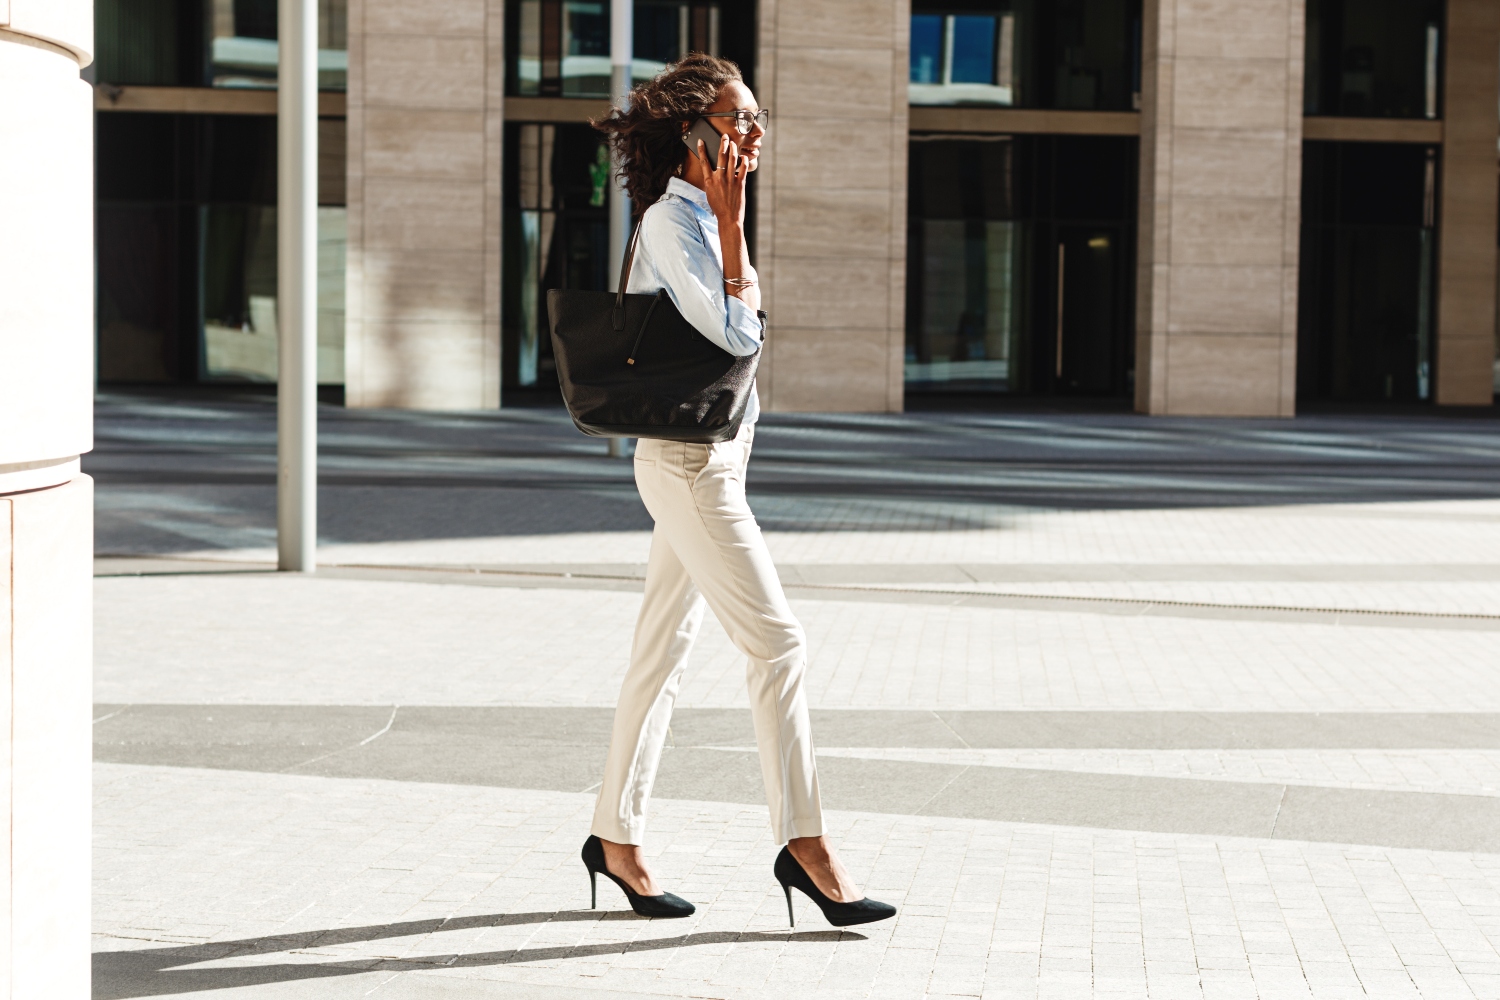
[[1206, 208]]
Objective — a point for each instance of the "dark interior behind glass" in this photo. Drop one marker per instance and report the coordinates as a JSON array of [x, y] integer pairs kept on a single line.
[[1374, 58], [1366, 292], [1020, 264], [1067, 54]]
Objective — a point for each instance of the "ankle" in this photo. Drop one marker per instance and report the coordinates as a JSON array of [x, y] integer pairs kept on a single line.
[[810, 850]]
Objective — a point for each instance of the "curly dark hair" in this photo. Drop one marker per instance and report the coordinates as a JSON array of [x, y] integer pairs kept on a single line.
[[647, 138]]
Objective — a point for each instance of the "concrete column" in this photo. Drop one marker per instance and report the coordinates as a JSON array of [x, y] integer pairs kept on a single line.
[[426, 106], [831, 217], [46, 526], [1466, 224], [1221, 165]]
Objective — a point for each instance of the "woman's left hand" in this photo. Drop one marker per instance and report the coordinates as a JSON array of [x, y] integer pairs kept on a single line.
[[725, 185]]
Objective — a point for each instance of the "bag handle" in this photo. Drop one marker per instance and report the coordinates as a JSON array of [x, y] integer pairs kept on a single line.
[[617, 314]]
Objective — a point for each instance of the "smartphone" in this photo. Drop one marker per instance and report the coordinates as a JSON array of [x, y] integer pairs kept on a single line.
[[711, 138]]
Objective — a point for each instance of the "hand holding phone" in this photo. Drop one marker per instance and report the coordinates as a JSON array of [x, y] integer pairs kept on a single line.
[[710, 137]]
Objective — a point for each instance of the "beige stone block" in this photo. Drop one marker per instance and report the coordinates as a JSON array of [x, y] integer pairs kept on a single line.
[[401, 142], [423, 214], [1221, 163], [426, 285], [424, 17], [825, 83], [424, 72], [1225, 300], [1224, 376], [1230, 93], [832, 370], [829, 293], [824, 222], [865, 24], [1466, 370], [834, 153], [1235, 29], [422, 366], [1227, 231]]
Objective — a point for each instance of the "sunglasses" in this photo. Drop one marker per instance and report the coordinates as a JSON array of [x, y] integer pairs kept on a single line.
[[744, 121]]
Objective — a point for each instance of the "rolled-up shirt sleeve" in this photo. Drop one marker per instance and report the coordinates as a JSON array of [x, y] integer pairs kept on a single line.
[[690, 271]]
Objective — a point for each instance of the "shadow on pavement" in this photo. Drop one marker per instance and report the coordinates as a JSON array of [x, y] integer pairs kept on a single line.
[[152, 972], [187, 474]]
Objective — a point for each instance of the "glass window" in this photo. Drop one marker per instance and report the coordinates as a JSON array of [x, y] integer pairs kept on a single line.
[[238, 266], [243, 50], [1019, 264], [1080, 54], [560, 48], [186, 237], [927, 48], [218, 43], [145, 42], [1366, 298], [1373, 58], [973, 49], [557, 236]]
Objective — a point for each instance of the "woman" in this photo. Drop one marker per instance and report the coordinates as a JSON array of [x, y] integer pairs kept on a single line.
[[706, 548]]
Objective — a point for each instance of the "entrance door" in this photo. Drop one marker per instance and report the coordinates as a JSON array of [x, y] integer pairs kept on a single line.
[[1087, 333]]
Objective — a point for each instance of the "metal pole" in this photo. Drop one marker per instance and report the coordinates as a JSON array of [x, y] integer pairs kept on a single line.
[[620, 56], [297, 286], [621, 45]]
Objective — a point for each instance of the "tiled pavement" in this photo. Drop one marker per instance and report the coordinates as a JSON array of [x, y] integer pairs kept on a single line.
[[1281, 618]]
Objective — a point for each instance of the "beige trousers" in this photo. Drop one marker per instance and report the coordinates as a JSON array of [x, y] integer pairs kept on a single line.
[[707, 549]]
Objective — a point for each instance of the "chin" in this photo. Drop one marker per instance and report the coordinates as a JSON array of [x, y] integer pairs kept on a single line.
[[754, 162]]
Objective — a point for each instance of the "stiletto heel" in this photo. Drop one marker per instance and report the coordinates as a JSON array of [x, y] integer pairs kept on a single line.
[[665, 905], [791, 875]]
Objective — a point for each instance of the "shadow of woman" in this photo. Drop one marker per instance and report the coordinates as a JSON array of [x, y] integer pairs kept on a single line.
[[149, 972]]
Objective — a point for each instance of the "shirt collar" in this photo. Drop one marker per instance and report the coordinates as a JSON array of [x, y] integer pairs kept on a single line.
[[682, 189]]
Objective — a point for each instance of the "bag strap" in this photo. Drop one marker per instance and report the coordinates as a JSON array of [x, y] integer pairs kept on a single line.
[[617, 314]]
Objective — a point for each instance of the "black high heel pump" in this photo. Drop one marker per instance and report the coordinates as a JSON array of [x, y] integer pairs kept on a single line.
[[791, 875], [665, 905]]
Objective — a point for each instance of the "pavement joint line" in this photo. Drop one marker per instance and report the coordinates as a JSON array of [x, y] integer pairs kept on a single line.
[[1277, 816], [388, 723], [1145, 606], [878, 588]]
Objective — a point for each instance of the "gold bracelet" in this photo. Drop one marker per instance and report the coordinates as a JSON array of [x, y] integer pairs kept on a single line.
[[741, 282]]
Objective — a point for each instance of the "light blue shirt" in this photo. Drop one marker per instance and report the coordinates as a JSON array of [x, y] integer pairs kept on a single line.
[[678, 250]]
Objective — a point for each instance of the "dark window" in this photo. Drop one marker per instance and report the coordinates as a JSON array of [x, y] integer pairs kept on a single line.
[[149, 42], [1366, 294], [560, 48], [186, 238], [1071, 54], [557, 236], [1020, 257], [197, 43], [658, 31], [1374, 58]]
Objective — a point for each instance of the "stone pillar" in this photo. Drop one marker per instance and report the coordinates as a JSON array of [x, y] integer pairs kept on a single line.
[[1221, 165], [426, 106], [831, 216], [1466, 223], [46, 525]]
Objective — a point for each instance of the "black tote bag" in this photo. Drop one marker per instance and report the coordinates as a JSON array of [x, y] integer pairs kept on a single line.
[[632, 366]]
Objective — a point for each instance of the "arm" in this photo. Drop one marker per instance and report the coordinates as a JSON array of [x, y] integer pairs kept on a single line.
[[725, 188], [673, 241]]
